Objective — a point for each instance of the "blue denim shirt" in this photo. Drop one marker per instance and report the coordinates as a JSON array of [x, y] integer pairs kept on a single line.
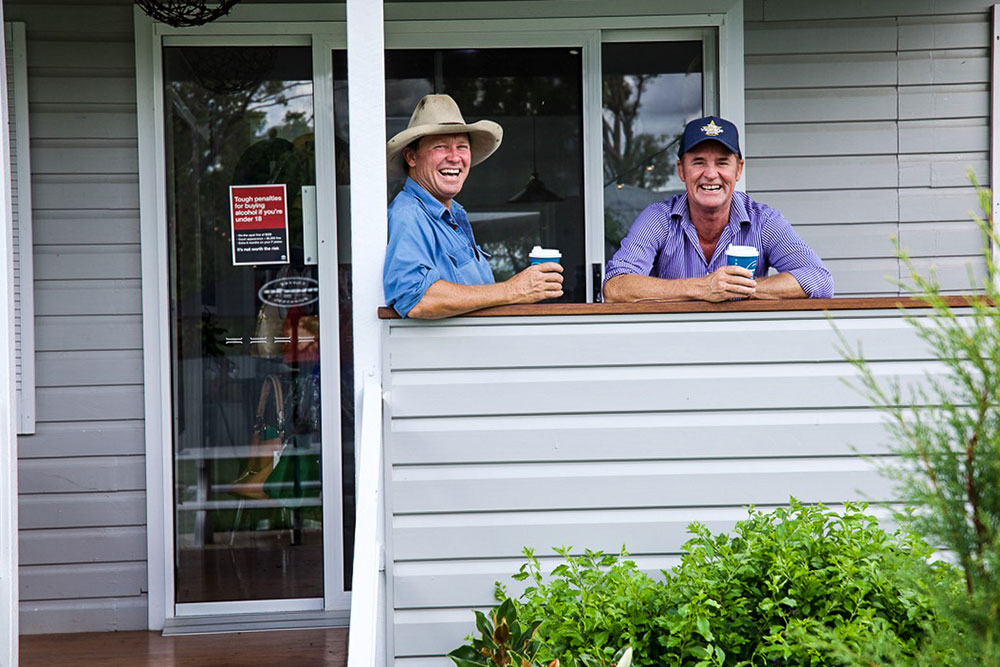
[[427, 243]]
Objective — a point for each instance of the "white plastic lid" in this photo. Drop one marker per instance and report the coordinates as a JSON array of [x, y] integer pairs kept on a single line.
[[741, 251], [539, 251]]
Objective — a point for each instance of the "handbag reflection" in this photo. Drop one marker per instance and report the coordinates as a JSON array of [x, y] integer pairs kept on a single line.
[[296, 476], [265, 442], [267, 330]]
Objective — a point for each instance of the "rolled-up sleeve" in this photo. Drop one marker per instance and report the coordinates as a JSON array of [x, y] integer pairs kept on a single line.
[[788, 253], [409, 269], [640, 246]]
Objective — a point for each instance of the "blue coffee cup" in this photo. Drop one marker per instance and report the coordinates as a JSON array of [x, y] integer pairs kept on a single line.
[[742, 255]]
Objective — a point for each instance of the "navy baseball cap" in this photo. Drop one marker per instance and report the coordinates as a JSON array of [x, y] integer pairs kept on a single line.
[[710, 128]]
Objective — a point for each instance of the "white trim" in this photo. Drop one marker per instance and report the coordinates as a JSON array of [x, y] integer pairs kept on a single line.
[[334, 593], [593, 160], [186, 610], [155, 332], [25, 247], [995, 133], [367, 637], [366, 102], [731, 76], [239, 39], [8, 434]]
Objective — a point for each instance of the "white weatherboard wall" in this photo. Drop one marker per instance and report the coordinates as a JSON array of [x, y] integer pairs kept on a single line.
[[604, 431], [82, 475], [862, 119]]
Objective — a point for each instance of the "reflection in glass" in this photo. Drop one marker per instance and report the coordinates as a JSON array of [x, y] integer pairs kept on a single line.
[[530, 192], [650, 90], [342, 177], [244, 338]]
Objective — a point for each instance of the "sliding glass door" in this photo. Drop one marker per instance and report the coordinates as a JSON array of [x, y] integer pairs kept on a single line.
[[244, 323]]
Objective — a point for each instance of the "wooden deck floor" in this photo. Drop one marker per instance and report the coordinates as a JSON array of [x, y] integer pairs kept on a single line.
[[302, 648]]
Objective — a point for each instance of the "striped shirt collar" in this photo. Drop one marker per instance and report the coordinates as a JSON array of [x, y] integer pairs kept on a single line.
[[681, 215], [738, 214]]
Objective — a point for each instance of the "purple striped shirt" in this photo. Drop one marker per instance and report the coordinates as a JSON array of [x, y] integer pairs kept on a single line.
[[663, 243]]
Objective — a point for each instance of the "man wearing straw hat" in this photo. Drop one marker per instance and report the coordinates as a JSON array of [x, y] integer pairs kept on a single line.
[[433, 266]]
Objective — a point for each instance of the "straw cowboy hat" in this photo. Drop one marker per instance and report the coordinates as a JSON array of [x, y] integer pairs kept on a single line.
[[439, 114]]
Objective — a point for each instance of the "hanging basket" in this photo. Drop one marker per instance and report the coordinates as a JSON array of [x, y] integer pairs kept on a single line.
[[185, 13]]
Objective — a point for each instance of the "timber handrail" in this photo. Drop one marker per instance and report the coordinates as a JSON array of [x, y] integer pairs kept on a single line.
[[751, 306], [368, 581]]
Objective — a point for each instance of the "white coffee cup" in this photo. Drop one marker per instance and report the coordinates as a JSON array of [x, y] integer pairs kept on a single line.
[[540, 255]]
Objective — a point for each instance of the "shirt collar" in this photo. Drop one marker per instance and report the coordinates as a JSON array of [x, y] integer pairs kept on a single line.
[[737, 210], [433, 207]]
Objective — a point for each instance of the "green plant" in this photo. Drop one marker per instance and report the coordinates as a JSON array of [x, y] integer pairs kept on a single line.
[[590, 609], [947, 433], [503, 641], [759, 595], [800, 586]]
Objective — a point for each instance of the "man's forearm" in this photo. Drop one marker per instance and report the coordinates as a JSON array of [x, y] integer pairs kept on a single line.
[[630, 288], [779, 286], [445, 299]]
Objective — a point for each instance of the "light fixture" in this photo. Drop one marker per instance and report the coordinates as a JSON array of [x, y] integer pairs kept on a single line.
[[534, 191], [185, 13]]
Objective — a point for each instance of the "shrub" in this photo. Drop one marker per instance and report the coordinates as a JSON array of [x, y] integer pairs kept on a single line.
[[592, 608], [802, 586], [948, 433], [760, 595]]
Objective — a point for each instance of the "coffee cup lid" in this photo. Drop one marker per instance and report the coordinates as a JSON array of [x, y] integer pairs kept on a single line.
[[539, 251], [741, 251]]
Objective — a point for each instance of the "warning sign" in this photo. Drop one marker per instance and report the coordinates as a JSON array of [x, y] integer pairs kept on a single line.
[[260, 224]]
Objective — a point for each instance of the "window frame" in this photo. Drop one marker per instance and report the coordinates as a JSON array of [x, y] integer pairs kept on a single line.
[[721, 35]]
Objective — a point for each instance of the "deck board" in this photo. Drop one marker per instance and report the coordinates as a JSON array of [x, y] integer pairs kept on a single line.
[[304, 648]]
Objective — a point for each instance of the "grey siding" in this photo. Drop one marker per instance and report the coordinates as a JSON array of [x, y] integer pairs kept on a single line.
[[82, 475], [862, 119], [545, 432]]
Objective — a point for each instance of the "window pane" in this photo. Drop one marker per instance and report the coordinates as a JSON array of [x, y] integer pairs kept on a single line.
[[530, 192], [650, 90]]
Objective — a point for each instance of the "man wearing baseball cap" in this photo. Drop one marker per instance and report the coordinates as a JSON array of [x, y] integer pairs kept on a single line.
[[433, 266], [676, 249]]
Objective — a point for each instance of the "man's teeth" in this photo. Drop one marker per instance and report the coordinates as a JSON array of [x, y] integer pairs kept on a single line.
[[450, 172], [711, 187]]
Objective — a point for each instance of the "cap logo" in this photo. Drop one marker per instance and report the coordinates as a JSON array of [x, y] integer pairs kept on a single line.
[[711, 130]]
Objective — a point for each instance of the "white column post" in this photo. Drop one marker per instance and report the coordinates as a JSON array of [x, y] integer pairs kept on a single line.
[[366, 99], [8, 433]]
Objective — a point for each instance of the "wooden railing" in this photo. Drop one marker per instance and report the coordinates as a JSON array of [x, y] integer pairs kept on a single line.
[[649, 307], [366, 644]]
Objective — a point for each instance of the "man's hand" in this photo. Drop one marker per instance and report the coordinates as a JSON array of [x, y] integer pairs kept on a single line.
[[536, 283], [727, 283]]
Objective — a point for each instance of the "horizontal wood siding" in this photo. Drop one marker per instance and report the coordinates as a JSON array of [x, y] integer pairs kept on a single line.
[[82, 474], [598, 432], [886, 101]]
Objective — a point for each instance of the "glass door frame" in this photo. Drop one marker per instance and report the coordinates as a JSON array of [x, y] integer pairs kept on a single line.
[[322, 39]]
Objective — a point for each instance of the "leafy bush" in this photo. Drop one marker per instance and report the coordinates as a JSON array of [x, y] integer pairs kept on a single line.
[[802, 586], [594, 606], [760, 595]]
